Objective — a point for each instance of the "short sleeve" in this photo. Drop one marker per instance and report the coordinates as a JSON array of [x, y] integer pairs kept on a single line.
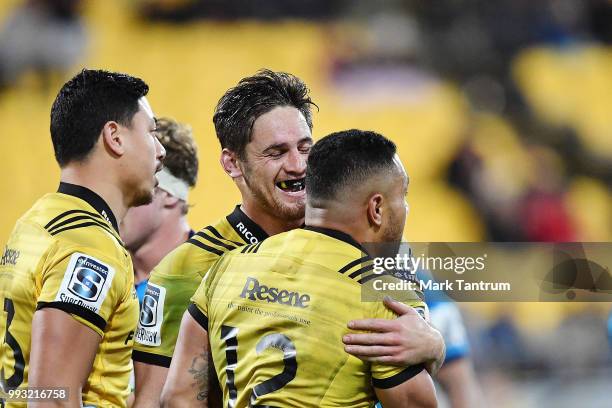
[[165, 301], [384, 375], [199, 308], [84, 284]]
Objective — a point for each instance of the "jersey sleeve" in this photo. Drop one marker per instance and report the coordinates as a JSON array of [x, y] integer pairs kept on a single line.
[[84, 283], [164, 303], [384, 375], [199, 307]]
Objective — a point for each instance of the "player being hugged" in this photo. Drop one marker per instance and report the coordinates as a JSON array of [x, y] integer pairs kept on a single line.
[[68, 297], [274, 312]]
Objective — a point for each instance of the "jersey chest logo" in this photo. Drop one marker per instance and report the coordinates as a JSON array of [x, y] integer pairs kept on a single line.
[[86, 282], [151, 316]]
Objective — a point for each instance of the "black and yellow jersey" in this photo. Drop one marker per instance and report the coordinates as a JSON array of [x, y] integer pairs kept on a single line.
[[276, 312], [65, 253], [176, 278]]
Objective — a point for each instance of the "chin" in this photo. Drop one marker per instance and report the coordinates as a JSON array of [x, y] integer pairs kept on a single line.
[[142, 198]]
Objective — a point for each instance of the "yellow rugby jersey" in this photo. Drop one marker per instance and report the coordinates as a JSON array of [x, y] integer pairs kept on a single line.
[[176, 278], [65, 253], [276, 312]]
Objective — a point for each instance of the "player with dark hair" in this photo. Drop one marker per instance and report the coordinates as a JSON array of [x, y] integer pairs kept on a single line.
[[68, 292], [151, 231], [274, 312], [264, 126]]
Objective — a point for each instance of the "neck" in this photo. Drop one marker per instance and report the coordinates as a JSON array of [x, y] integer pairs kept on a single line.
[[110, 192], [271, 224], [337, 220], [167, 237]]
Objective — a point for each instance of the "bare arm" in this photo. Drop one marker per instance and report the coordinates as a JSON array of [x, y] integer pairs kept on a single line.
[[187, 382], [405, 341], [150, 380], [63, 351], [459, 381], [417, 392]]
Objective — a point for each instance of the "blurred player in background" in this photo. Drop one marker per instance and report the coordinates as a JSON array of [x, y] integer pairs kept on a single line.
[[294, 293], [264, 127], [151, 231], [68, 290]]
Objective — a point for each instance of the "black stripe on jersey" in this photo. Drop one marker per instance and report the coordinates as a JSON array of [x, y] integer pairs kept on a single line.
[[86, 314], [218, 235], [247, 248], [361, 271], [66, 213], [354, 263], [89, 224], [98, 221], [256, 248], [199, 317], [398, 378], [205, 247], [368, 278], [215, 241], [150, 358]]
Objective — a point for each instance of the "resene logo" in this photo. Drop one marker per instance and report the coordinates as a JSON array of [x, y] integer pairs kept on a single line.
[[253, 290]]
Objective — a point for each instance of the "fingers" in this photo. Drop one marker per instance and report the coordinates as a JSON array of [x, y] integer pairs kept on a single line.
[[371, 339], [398, 307], [375, 325], [371, 351]]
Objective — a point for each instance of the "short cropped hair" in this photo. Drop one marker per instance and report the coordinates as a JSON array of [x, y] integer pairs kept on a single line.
[[85, 104], [181, 151], [254, 96], [344, 160]]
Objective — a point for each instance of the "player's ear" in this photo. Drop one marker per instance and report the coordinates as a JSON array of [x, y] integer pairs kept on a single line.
[[375, 210], [229, 162], [112, 139], [170, 201]]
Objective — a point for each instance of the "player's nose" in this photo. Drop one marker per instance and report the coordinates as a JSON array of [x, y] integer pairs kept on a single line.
[[160, 151], [296, 163]]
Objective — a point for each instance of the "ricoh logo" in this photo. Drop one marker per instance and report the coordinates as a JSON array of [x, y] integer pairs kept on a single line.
[[247, 234], [253, 290]]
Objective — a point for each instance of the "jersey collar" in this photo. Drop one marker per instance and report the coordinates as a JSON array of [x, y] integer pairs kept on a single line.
[[92, 199], [342, 236], [248, 230]]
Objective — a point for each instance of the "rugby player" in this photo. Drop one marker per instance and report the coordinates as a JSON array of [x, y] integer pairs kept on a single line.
[[274, 312], [151, 231], [264, 127], [70, 308]]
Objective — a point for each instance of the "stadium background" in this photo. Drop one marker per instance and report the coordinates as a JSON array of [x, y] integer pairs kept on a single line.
[[501, 111]]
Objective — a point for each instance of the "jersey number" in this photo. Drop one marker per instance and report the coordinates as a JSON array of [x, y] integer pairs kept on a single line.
[[274, 340], [16, 379]]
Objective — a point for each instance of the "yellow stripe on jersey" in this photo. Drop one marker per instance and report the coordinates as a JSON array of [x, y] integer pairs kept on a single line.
[[276, 312], [70, 257], [176, 278]]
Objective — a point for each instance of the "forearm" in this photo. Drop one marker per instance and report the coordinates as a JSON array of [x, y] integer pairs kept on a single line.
[[188, 376], [437, 353], [150, 380]]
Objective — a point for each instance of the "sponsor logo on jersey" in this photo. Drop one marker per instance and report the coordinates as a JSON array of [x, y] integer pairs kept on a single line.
[[253, 290], [151, 316], [246, 233], [9, 257], [86, 282]]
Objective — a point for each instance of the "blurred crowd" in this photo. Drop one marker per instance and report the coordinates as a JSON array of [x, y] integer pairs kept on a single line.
[[534, 156]]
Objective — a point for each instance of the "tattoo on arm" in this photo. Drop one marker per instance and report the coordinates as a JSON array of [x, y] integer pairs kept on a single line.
[[199, 371]]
